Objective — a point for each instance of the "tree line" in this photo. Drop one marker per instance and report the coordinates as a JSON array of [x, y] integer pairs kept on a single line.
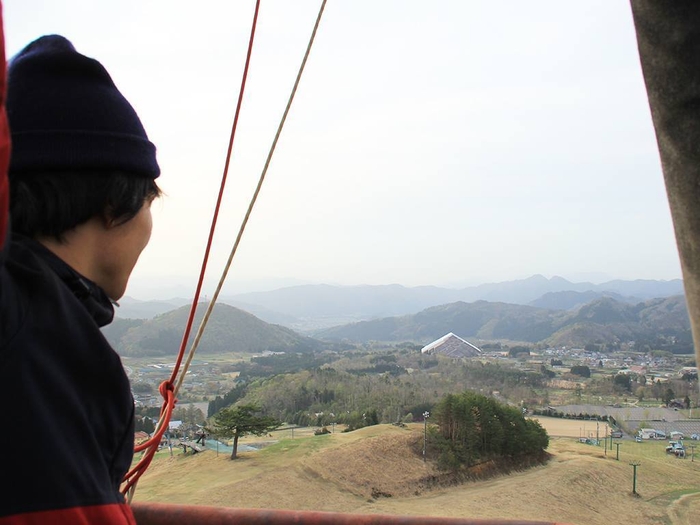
[[473, 428], [326, 394]]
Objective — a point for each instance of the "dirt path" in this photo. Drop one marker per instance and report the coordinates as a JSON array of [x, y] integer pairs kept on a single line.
[[685, 510]]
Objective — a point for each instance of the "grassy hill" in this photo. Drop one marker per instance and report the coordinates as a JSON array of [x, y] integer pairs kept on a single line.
[[605, 318], [228, 330], [377, 470]]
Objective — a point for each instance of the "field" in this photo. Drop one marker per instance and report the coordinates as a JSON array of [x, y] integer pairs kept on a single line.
[[377, 470], [558, 427]]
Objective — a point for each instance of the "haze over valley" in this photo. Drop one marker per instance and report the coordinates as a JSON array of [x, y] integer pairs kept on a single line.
[[311, 307]]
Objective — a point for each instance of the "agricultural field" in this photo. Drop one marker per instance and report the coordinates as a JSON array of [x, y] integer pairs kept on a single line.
[[208, 376], [559, 427], [378, 470]]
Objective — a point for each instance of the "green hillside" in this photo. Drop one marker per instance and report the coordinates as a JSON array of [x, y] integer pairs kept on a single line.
[[229, 330]]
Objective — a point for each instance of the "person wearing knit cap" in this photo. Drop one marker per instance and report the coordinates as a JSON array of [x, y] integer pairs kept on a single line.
[[81, 181]]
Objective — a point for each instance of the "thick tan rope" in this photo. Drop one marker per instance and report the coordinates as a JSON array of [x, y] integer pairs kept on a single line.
[[210, 308]]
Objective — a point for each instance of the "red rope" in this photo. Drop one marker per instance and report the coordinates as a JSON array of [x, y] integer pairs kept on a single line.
[[167, 387]]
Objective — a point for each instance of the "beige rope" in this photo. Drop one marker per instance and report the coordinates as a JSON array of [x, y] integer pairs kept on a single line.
[[210, 307]]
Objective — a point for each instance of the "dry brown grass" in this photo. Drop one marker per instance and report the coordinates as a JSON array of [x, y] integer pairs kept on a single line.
[[339, 472], [572, 428]]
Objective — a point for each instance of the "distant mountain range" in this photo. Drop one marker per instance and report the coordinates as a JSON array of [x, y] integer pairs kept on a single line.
[[604, 319], [327, 305], [312, 307], [570, 300]]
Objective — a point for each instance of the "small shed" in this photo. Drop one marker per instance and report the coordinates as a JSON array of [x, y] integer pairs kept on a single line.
[[647, 433]]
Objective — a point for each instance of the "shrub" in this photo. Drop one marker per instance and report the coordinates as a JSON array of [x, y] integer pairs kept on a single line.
[[581, 370]]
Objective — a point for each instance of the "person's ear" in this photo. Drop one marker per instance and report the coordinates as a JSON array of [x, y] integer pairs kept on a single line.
[[108, 220]]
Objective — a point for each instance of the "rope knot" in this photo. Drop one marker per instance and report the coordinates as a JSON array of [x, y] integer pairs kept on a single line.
[[164, 387]]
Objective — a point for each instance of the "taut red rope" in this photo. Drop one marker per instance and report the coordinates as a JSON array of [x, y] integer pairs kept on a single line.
[[167, 389]]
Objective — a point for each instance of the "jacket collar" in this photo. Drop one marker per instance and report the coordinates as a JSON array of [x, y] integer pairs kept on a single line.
[[92, 297]]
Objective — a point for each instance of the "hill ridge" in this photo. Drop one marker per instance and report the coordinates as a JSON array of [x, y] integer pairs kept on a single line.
[[315, 306], [604, 318], [229, 329]]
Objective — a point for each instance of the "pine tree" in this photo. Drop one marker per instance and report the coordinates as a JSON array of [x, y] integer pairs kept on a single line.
[[239, 421]]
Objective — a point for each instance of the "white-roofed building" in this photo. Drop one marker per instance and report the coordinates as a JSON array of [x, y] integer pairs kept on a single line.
[[451, 346]]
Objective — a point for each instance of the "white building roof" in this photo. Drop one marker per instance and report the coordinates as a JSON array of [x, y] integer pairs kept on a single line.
[[451, 344]]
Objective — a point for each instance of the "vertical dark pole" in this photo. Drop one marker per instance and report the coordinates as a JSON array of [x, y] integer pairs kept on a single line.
[[634, 464], [618, 451], [605, 439], [426, 415]]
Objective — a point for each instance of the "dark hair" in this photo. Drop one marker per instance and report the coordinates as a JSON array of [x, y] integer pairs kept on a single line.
[[52, 203]]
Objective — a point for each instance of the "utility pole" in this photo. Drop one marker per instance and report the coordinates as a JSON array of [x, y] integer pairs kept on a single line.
[[618, 450], [426, 415], [605, 439], [634, 464]]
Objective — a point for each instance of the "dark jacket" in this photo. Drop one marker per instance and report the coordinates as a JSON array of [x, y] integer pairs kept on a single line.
[[69, 403], [69, 415]]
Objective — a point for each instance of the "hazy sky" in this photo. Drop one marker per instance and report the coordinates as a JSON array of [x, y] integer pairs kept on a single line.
[[446, 142]]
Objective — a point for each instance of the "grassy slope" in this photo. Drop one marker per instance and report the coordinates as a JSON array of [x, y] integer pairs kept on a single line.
[[338, 472]]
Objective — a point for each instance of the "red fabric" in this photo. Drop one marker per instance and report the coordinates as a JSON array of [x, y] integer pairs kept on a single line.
[[4, 142], [115, 514]]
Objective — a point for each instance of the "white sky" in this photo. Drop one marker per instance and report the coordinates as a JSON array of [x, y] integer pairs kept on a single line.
[[447, 142]]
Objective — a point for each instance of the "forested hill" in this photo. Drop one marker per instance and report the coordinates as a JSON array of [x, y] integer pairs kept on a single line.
[[228, 330], [604, 319]]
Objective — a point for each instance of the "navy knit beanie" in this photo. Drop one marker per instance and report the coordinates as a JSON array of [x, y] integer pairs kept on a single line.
[[66, 114]]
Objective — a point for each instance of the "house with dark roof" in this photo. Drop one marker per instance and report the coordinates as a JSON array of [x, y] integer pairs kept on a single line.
[[451, 345]]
